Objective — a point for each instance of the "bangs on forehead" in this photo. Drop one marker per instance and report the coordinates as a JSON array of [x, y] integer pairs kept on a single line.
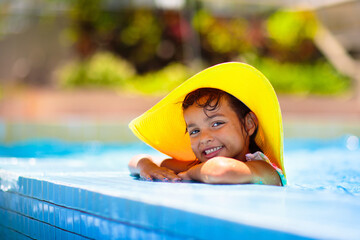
[[206, 98]]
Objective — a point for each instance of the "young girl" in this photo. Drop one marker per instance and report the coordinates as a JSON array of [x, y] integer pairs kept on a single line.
[[228, 116]]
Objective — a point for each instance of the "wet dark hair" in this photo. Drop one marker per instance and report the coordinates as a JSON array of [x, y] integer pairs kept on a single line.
[[213, 97]]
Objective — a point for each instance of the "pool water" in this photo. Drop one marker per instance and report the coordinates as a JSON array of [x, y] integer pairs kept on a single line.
[[313, 164], [321, 200]]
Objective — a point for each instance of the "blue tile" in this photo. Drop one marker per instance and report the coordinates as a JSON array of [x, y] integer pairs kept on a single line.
[[64, 235], [76, 222], [118, 231], [21, 185], [26, 225], [20, 208], [26, 189], [5, 199], [17, 222], [51, 232], [83, 199], [83, 225], [132, 233], [26, 201], [62, 218], [70, 236], [34, 186], [96, 228], [32, 207], [69, 197], [31, 187], [5, 220], [51, 214], [2, 198], [36, 209], [96, 199], [51, 195], [91, 231], [41, 189], [76, 198], [62, 195], [36, 229], [21, 223], [77, 237], [37, 189], [46, 212], [15, 199], [41, 234], [90, 202], [104, 230], [31, 228], [57, 194], [46, 231], [70, 220], [57, 215], [41, 213], [120, 210], [45, 191], [10, 219], [3, 217], [58, 234], [28, 209]]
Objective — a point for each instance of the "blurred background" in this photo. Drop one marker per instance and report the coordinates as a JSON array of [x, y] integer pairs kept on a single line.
[[96, 64]]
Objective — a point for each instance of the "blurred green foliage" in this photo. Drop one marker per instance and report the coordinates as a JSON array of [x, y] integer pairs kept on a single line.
[[291, 35], [290, 28], [153, 41], [101, 70], [105, 70], [131, 33], [299, 78], [221, 35], [160, 82]]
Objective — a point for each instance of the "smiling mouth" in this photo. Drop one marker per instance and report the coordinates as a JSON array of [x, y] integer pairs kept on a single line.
[[211, 150]]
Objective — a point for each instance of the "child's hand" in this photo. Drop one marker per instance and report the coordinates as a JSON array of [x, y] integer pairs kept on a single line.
[[184, 175], [150, 171]]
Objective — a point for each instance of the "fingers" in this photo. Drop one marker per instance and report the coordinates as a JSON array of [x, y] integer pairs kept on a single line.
[[162, 174], [169, 175], [146, 176]]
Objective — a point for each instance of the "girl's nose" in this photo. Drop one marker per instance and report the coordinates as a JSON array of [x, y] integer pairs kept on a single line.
[[205, 137]]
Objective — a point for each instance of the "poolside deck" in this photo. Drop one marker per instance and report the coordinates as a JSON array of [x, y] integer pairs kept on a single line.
[[49, 105]]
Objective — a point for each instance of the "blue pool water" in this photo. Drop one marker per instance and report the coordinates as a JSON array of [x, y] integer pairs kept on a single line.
[[316, 164], [84, 191]]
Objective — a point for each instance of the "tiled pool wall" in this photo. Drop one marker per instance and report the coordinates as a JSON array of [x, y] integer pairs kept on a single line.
[[45, 210], [31, 208]]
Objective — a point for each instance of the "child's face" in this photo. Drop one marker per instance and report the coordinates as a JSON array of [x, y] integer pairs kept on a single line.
[[216, 133]]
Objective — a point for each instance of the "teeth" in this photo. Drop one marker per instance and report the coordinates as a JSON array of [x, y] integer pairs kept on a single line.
[[212, 150]]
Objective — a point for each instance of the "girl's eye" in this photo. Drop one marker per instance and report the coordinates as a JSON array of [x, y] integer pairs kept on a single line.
[[192, 132], [216, 124]]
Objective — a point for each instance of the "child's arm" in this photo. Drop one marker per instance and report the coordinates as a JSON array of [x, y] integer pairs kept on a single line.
[[231, 171], [149, 167]]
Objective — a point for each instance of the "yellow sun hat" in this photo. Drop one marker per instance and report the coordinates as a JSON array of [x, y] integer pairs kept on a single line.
[[163, 126]]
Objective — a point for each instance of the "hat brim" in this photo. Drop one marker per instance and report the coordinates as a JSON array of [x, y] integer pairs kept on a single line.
[[163, 126]]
